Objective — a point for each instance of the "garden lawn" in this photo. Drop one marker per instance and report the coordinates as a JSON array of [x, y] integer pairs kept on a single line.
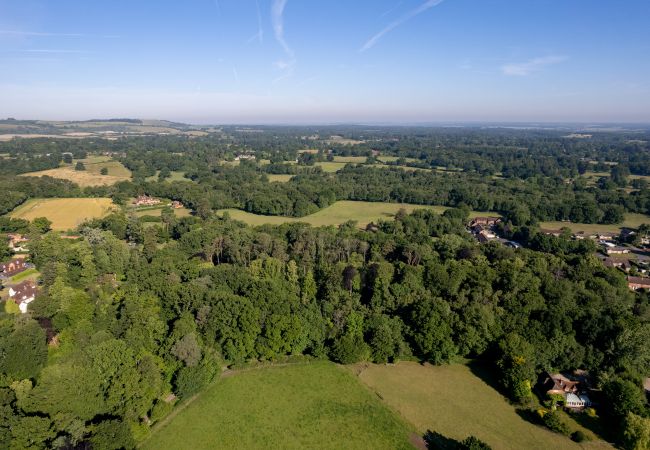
[[305, 406]]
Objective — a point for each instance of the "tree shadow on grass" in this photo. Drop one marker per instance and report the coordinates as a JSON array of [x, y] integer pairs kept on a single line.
[[436, 441], [483, 371], [529, 416]]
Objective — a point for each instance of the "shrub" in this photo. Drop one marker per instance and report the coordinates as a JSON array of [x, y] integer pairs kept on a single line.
[[578, 436], [473, 443], [553, 422]]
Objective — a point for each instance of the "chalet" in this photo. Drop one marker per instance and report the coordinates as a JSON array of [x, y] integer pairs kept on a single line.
[[145, 200], [484, 221], [637, 283], [617, 250], [16, 242], [23, 294], [13, 267]]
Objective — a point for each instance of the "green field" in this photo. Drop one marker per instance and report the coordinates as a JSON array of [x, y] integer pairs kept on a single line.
[[338, 213], [175, 176], [65, 213], [631, 221], [156, 212], [453, 401], [306, 406]]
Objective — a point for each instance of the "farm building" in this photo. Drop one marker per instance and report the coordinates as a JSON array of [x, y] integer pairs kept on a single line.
[[176, 204], [145, 200], [23, 294], [484, 221]]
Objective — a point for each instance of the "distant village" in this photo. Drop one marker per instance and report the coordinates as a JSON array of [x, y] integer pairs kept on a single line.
[[613, 249]]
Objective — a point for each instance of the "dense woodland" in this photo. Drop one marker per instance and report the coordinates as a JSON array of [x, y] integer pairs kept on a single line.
[[132, 313]]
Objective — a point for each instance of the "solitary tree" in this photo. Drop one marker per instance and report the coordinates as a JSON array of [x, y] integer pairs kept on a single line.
[[104, 171], [80, 166]]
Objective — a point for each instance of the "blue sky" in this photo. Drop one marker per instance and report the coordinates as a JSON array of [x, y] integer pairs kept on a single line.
[[313, 61]]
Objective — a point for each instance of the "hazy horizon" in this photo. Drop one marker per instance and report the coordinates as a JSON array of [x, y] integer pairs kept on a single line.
[[289, 62]]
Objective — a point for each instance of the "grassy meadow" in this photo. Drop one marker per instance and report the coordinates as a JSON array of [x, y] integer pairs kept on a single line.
[[317, 405], [91, 176], [65, 213], [156, 212], [336, 214], [455, 402], [175, 176], [631, 221]]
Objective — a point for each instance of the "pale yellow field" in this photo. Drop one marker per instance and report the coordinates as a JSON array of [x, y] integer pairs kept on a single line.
[[65, 213], [350, 159], [340, 212], [91, 176], [281, 178]]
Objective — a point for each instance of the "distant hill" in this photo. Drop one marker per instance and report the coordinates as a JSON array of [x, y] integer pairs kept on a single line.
[[106, 128]]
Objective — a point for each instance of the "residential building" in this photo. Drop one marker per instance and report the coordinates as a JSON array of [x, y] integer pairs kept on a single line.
[[637, 283], [13, 267], [23, 294]]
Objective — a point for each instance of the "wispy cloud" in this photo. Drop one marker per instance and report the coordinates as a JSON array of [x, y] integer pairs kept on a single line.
[[402, 20], [277, 18], [523, 69], [235, 74]]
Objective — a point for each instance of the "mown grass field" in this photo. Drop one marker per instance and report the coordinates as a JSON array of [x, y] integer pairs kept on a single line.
[[453, 401], [306, 406], [338, 213], [631, 221], [91, 176], [65, 213]]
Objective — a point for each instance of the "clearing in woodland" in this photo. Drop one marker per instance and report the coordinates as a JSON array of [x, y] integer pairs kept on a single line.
[[65, 213]]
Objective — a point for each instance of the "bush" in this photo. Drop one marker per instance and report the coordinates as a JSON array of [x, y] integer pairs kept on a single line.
[[553, 422], [473, 443], [578, 436], [160, 410]]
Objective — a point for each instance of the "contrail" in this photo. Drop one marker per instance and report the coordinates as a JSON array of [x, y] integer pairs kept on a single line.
[[408, 16]]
